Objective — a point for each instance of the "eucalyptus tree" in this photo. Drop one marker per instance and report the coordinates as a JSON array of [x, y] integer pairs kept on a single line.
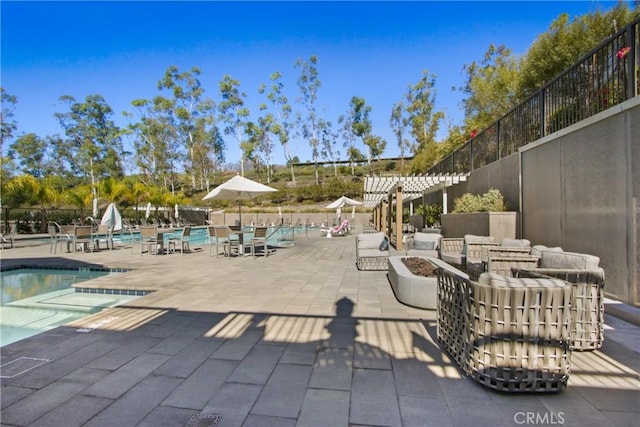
[[349, 141], [491, 87], [398, 123], [423, 121], [282, 125], [8, 126], [157, 151], [94, 147], [188, 112], [29, 151], [567, 41], [259, 141], [328, 149], [8, 123], [208, 155], [309, 83], [362, 127], [233, 113]]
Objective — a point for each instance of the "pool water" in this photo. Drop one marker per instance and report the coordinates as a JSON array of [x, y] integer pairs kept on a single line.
[[37, 300], [276, 236]]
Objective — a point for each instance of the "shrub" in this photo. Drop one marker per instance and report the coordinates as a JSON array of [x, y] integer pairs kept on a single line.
[[491, 201]]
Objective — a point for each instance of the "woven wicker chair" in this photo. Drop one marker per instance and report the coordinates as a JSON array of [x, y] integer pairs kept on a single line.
[[587, 305], [508, 334]]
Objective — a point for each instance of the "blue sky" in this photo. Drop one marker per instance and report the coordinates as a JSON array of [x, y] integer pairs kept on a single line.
[[372, 50]]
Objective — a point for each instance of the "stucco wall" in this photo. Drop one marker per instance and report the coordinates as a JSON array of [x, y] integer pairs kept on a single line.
[[580, 192]]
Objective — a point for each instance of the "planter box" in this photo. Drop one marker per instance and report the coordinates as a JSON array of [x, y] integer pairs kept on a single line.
[[499, 225], [416, 291]]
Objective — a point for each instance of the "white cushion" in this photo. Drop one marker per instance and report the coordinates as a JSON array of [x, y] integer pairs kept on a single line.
[[519, 243], [426, 237], [499, 281], [568, 260], [369, 241], [536, 250], [472, 238]]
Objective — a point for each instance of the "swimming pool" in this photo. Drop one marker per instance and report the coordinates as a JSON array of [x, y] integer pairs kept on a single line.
[[283, 236], [35, 300]]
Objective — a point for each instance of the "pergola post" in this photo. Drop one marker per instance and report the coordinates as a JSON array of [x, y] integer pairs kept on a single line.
[[444, 200], [399, 216], [383, 216]]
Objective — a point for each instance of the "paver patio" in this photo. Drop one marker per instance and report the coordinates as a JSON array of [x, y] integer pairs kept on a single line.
[[298, 338]]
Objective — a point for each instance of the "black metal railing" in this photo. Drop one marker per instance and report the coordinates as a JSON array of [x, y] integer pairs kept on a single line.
[[605, 77]]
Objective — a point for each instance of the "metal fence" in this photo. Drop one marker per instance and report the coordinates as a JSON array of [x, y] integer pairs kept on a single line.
[[607, 76]]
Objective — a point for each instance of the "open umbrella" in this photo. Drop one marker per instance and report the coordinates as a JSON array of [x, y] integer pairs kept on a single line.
[[237, 189], [342, 202], [112, 217]]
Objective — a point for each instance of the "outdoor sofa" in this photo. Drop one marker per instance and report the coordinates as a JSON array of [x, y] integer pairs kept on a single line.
[[372, 251]]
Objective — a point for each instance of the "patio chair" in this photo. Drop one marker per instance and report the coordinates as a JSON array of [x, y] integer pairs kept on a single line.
[[259, 239], [149, 238], [587, 278], [7, 238], [223, 238], [54, 236], [103, 233], [83, 235], [508, 334], [183, 239]]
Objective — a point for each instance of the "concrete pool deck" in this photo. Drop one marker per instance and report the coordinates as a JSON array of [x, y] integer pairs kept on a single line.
[[297, 338]]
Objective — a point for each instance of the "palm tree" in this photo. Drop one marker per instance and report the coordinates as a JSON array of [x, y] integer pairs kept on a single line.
[[27, 190]]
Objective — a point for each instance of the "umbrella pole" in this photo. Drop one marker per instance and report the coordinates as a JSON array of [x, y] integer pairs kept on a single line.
[[240, 212]]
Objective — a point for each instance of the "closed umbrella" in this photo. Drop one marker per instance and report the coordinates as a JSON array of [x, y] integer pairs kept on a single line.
[[148, 211], [237, 189], [176, 214], [112, 217], [95, 208]]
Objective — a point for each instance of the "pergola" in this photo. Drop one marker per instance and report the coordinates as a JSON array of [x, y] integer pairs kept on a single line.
[[382, 192]]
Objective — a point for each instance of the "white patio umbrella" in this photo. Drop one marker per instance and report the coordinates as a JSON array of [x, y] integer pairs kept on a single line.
[[342, 202], [95, 208], [237, 189], [176, 213], [112, 217], [148, 211]]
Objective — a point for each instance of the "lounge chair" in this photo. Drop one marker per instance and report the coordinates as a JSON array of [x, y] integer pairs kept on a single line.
[[339, 230]]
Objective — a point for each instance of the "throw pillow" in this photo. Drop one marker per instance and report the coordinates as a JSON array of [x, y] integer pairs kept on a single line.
[[384, 245], [424, 244]]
